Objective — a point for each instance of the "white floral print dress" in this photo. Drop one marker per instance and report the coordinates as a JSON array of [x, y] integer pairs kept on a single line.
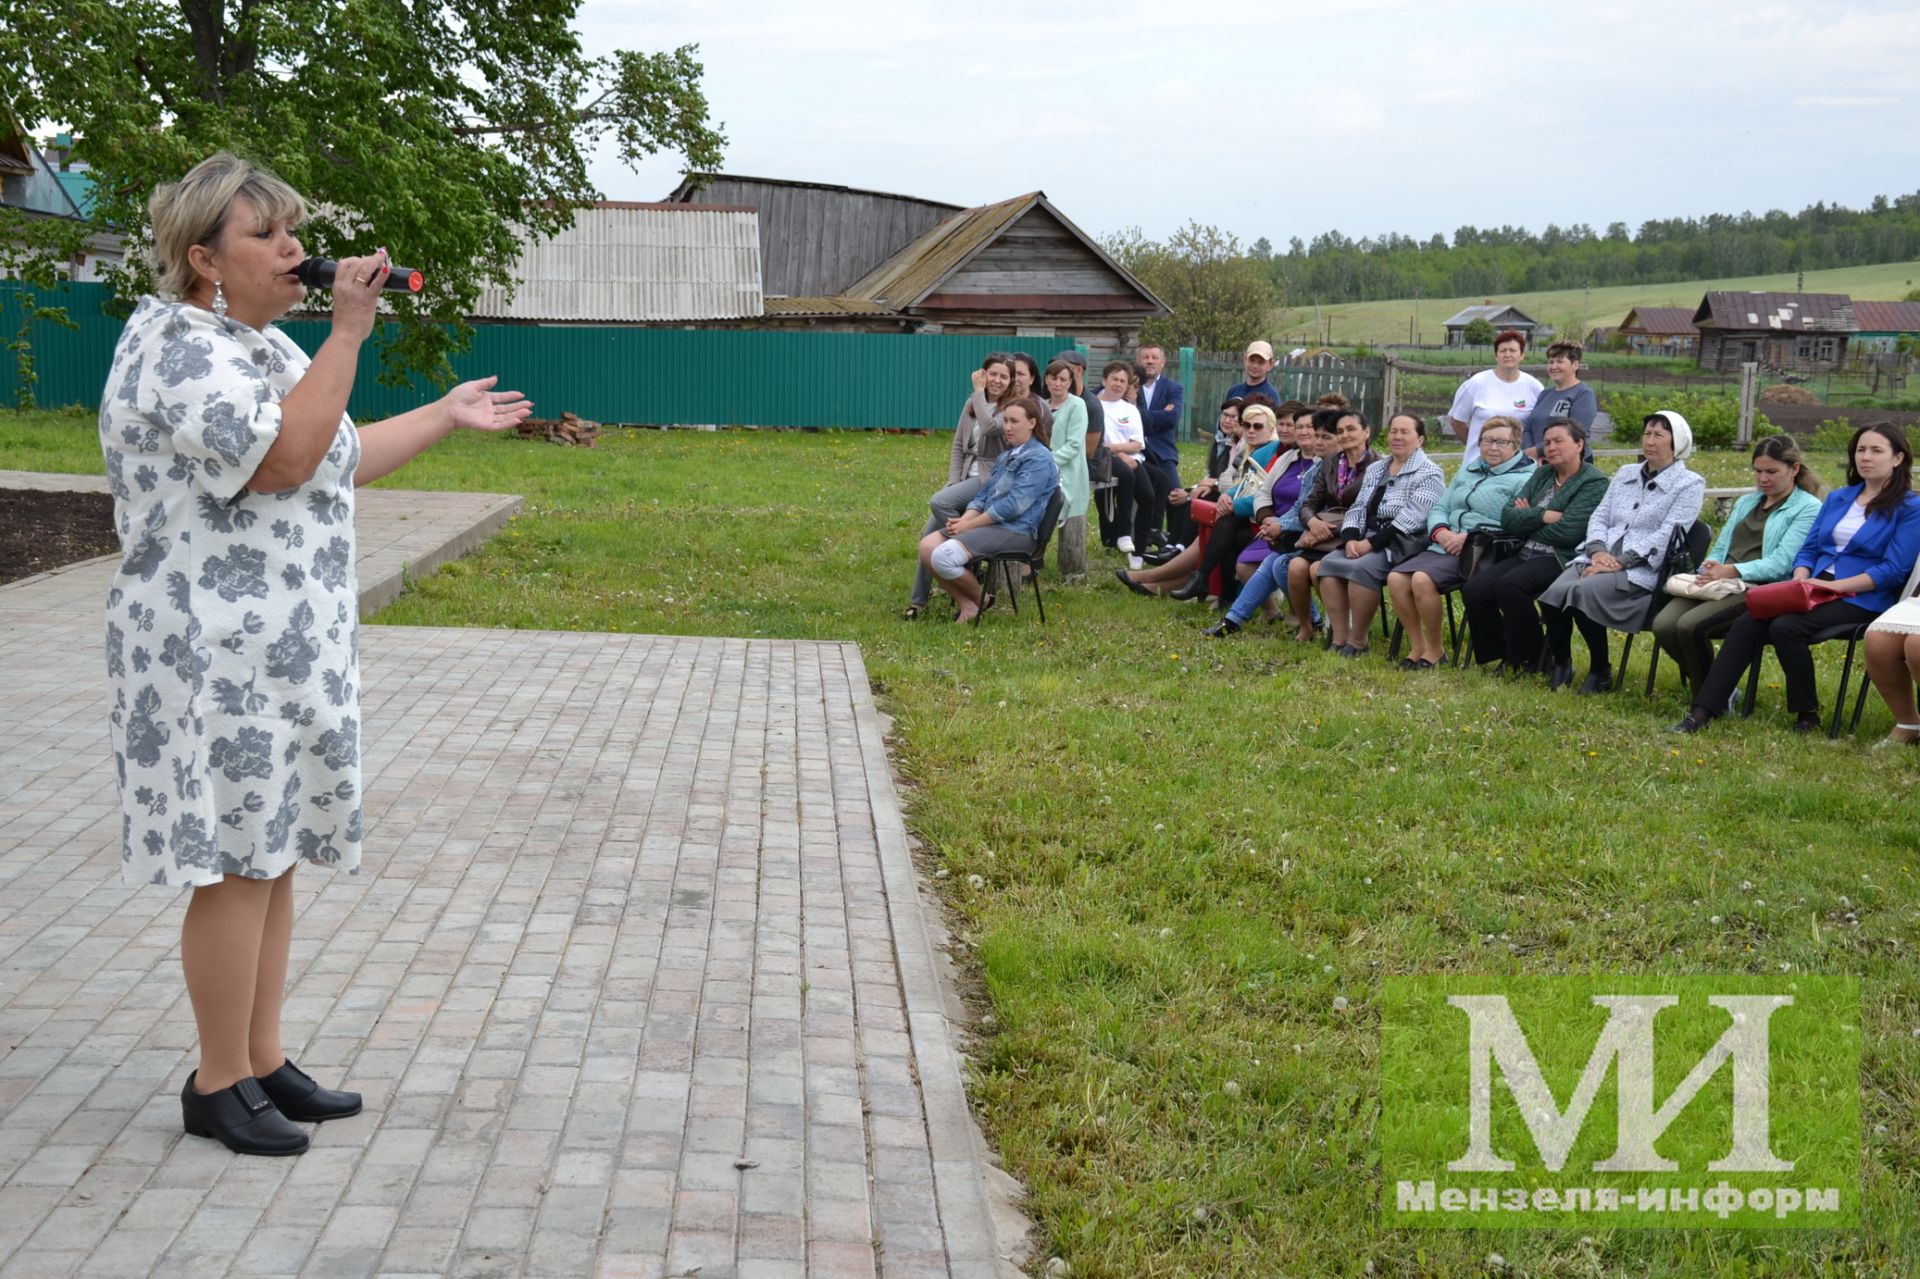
[[232, 649]]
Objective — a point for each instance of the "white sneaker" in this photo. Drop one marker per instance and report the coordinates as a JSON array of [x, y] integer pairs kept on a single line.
[[1134, 561], [1125, 545]]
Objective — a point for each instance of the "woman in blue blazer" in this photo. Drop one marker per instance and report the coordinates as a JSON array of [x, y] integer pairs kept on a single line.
[[1863, 543]]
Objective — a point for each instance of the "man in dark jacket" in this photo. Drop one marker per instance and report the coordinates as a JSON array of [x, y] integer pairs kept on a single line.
[[1161, 401]]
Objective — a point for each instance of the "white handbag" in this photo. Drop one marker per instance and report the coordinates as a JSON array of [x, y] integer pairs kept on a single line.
[[1692, 586]]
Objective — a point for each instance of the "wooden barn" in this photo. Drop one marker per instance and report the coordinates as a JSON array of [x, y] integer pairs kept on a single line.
[[841, 259], [1658, 330], [1803, 332], [1501, 316]]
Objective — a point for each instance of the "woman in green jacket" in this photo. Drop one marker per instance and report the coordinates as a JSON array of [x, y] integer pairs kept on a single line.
[[1550, 515], [1479, 492], [1756, 545]]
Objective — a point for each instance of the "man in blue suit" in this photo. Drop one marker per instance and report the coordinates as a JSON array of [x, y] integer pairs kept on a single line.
[[1161, 400]]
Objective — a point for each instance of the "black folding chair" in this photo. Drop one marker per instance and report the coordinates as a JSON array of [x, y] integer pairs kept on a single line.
[[1034, 560], [1853, 634], [1686, 551]]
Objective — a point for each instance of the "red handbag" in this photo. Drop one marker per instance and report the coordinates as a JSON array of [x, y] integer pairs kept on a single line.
[[1780, 599], [1204, 511]]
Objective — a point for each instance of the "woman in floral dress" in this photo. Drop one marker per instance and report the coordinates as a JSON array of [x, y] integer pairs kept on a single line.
[[231, 625]]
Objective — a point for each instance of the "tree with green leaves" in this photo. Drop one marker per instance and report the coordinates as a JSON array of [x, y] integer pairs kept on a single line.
[[444, 129], [1478, 332], [1219, 295]]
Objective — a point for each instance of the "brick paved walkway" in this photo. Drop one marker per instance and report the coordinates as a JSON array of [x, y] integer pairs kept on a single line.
[[634, 978]]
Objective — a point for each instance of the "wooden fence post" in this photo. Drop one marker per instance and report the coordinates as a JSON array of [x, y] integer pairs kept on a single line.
[[1749, 386], [1390, 389], [1185, 425]]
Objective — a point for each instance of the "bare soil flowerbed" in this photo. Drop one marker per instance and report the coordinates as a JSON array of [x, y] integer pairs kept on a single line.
[[42, 531]]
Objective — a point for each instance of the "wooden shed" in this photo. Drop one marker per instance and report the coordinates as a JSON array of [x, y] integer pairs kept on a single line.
[[817, 238], [1499, 315], [1805, 332], [1017, 267], [1658, 330]]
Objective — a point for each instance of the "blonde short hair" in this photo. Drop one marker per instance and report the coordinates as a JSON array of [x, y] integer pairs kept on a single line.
[[1504, 423], [194, 211]]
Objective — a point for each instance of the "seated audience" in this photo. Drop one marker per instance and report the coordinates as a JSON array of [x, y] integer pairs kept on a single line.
[[1858, 556], [1755, 546], [977, 440], [1342, 470], [1550, 519], [1278, 529], [1003, 517], [1192, 565], [1386, 523], [1279, 488], [1472, 503], [1607, 584]]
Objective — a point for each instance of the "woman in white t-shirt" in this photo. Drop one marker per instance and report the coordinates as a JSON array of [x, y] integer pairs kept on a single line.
[[1502, 390], [1125, 436]]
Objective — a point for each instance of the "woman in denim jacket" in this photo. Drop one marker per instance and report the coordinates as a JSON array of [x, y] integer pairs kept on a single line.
[[1003, 517], [1607, 584]]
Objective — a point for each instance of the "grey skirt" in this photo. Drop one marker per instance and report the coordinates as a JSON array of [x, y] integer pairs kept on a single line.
[[1442, 568], [1370, 570], [1610, 599]]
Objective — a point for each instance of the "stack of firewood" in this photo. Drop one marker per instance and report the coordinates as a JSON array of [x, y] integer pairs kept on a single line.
[[568, 428]]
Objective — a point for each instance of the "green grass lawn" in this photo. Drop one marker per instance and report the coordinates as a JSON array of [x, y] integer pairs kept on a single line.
[[1573, 311], [1188, 849]]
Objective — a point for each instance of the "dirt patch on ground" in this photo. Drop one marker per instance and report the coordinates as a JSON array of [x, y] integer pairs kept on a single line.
[[42, 531]]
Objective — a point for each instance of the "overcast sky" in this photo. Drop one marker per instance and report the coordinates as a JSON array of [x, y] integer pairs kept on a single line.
[[1287, 120]]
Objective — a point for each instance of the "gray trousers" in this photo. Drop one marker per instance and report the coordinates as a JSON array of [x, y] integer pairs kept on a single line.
[[948, 504]]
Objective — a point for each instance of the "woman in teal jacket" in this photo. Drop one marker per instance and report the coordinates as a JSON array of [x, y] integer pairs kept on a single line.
[[1474, 499], [1756, 545]]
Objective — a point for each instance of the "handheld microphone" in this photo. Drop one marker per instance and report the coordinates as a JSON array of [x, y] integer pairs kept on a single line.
[[317, 273]]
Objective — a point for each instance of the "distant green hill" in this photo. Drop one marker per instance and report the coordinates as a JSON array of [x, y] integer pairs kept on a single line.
[[1568, 310]]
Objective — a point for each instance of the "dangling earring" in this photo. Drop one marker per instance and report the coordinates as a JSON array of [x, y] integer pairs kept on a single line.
[[219, 300]]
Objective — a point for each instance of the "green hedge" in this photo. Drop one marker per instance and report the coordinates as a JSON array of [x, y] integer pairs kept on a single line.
[[1715, 419]]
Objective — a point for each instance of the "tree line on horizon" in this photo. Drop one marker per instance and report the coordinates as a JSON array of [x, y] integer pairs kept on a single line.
[[1487, 261]]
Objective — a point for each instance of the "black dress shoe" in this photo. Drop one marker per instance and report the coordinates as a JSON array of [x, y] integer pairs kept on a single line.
[[1807, 722], [1221, 629], [1596, 682], [241, 1118], [1194, 587], [1559, 675], [304, 1101], [1692, 722], [1129, 583]]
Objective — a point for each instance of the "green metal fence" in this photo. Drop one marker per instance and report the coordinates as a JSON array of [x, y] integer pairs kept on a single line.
[[625, 375]]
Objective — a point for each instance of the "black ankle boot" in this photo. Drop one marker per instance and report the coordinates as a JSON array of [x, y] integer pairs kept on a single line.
[[1194, 588], [241, 1118], [304, 1101]]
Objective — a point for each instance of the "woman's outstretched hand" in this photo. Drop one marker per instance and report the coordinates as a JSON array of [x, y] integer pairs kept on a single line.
[[476, 406]]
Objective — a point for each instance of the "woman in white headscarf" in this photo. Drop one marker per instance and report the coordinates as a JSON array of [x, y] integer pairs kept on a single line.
[[1606, 585]]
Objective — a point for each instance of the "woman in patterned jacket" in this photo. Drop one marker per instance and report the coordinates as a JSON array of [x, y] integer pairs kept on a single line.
[[231, 625]]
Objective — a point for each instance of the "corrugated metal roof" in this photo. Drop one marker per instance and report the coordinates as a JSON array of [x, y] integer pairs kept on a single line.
[[1777, 312], [1488, 312], [1676, 320], [1887, 317], [636, 263], [825, 306], [691, 188]]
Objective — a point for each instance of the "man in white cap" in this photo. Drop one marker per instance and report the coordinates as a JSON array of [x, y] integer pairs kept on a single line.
[[1257, 361]]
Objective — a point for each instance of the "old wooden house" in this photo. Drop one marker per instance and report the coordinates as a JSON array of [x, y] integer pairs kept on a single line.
[[1498, 314], [1658, 330], [847, 260], [1884, 324], [1803, 332]]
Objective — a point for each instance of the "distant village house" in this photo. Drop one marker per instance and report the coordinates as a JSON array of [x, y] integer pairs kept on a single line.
[[1500, 316]]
